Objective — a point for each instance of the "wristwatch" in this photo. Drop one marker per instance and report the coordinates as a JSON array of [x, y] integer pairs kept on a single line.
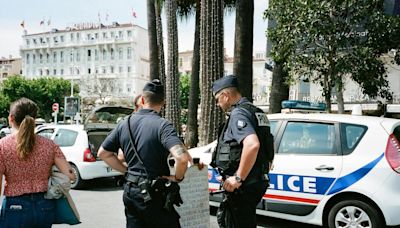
[[238, 179]]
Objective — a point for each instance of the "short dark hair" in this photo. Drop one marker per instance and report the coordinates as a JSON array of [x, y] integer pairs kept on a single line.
[[153, 98], [153, 92]]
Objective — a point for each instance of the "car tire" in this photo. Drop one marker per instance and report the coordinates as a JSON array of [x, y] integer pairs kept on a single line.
[[78, 183], [348, 212]]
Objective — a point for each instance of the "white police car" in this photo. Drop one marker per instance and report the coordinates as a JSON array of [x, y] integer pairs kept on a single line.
[[330, 169], [80, 143]]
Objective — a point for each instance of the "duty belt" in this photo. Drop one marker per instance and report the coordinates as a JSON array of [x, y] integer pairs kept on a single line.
[[135, 179]]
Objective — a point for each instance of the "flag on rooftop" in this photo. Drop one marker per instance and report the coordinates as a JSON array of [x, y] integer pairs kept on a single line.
[[22, 24], [41, 22], [133, 13]]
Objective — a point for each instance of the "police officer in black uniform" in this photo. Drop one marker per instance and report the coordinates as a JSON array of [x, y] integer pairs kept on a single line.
[[243, 155], [147, 140]]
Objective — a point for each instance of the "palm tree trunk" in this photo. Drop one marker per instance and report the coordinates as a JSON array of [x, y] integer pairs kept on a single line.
[[172, 109], [212, 66], [152, 33], [243, 58], [279, 88], [192, 135], [160, 41], [160, 44]]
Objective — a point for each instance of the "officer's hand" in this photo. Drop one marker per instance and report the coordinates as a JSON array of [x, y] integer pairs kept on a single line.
[[200, 165], [230, 184], [171, 178]]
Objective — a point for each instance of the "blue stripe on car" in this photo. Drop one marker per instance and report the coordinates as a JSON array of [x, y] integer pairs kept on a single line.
[[351, 178]]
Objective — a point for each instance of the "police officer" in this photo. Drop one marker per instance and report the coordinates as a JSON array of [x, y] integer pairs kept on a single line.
[[242, 155], [147, 140]]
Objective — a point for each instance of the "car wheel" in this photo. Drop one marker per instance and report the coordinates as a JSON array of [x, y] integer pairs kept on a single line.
[[354, 213], [78, 183]]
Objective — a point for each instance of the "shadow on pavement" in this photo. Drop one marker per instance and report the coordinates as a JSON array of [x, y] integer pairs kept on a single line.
[[100, 184], [264, 221]]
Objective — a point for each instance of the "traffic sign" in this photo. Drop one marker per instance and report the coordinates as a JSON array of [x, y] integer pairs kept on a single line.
[[55, 107]]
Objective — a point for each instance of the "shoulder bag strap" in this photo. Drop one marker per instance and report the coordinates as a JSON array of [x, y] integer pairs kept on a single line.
[[136, 154]]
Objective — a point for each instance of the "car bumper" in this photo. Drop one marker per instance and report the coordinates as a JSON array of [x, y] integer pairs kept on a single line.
[[389, 200], [91, 170]]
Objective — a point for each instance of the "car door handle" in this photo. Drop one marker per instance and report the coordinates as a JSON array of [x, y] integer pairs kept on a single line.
[[324, 167]]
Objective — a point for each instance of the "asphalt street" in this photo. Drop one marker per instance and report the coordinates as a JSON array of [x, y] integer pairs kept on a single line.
[[100, 205]]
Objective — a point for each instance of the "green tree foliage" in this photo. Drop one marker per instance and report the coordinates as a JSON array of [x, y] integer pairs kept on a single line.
[[184, 84], [4, 106], [44, 91], [330, 40]]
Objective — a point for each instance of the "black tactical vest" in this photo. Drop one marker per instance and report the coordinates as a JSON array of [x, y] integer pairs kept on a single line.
[[227, 155]]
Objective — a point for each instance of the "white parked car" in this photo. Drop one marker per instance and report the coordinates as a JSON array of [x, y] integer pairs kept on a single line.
[[329, 169], [5, 131], [80, 143]]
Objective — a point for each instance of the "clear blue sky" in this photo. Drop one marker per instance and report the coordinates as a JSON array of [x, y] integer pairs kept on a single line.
[[62, 13]]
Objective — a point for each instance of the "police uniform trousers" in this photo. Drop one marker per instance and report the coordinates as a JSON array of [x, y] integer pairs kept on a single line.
[[243, 204], [140, 214]]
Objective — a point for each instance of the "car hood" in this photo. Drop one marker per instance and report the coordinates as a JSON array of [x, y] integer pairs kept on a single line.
[[204, 152], [106, 117]]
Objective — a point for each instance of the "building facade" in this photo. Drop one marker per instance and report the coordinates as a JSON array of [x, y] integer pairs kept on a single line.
[[304, 90], [262, 77], [9, 66], [105, 60]]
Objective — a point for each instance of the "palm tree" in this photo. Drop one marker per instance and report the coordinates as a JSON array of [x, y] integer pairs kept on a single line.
[[152, 33], [160, 40], [243, 57], [212, 65], [185, 8], [172, 109]]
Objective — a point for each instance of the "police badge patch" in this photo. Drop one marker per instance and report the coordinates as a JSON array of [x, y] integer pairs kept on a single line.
[[241, 124]]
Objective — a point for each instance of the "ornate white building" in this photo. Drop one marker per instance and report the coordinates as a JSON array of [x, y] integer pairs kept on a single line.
[[9, 66], [108, 59]]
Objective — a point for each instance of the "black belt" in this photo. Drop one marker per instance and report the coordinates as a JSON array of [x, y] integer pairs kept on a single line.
[[135, 179], [35, 195]]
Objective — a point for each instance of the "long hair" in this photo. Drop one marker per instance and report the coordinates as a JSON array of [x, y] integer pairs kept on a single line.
[[24, 112]]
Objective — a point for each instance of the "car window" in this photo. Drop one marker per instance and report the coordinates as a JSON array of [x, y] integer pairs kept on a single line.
[[396, 133], [273, 124], [95, 140], [351, 135], [47, 133], [308, 138], [65, 137]]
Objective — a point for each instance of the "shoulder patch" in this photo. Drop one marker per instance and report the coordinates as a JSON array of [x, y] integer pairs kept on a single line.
[[262, 119], [241, 124]]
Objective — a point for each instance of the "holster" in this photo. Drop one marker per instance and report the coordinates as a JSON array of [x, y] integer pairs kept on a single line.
[[172, 195]]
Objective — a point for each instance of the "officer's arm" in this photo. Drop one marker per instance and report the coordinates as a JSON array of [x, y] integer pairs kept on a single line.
[[251, 144], [1, 182], [182, 157], [111, 159]]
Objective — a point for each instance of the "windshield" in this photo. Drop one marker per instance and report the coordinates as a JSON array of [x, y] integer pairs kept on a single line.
[[109, 115]]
